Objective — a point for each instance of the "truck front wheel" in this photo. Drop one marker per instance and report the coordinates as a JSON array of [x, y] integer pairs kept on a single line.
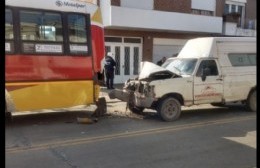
[[131, 105], [169, 109], [135, 109], [251, 101]]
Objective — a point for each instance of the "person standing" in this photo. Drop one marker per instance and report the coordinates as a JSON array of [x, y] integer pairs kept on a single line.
[[109, 70], [161, 61]]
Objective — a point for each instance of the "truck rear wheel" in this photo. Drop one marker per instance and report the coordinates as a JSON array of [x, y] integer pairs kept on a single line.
[[251, 101], [169, 109]]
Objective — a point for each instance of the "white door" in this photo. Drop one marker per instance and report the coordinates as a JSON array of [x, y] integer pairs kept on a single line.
[[128, 58], [211, 89]]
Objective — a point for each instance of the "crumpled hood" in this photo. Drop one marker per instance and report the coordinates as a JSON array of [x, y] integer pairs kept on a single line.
[[149, 68]]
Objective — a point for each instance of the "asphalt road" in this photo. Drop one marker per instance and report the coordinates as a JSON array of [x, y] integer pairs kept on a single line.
[[203, 137]]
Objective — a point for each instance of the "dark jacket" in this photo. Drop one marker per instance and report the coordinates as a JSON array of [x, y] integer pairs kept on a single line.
[[109, 64]]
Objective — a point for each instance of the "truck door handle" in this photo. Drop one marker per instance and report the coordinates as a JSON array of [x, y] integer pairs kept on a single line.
[[219, 79], [189, 81]]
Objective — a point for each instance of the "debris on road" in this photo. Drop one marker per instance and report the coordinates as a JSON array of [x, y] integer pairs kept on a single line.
[[86, 120]]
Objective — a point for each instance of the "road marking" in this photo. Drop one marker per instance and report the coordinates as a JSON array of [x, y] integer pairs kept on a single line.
[[249, 139], [73, 142]]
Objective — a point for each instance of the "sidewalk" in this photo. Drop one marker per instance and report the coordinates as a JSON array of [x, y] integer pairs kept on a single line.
[[116, 86], [104, 92]]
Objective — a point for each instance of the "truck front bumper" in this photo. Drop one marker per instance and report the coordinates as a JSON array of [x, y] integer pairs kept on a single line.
[[138, 99]]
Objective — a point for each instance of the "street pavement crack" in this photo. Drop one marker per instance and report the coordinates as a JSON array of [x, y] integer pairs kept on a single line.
[[62, 156]]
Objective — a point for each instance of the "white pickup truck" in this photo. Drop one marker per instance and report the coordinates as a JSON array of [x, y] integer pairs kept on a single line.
[[210, 70]]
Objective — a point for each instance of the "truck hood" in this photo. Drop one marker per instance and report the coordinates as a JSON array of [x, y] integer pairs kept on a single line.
[[149, 69]]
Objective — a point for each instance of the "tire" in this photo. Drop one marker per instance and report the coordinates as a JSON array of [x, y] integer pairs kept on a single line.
[[169, 109], [131, 105], [135, 109], [251, 101]]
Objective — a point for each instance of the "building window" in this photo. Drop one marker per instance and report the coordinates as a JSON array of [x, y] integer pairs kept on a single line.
[[237, 9], [231, 8], [195, 11], [132, 40], [202, 12], [113, 39], [226, 9]]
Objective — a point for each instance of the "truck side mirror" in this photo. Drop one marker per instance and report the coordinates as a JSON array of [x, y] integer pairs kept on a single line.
[[205, 73]]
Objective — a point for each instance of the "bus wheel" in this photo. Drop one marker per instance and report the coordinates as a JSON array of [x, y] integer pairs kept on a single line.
[[169, 109], [251, 101]]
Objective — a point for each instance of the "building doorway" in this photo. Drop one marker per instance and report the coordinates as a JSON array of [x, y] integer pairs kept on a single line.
[[127, 54]]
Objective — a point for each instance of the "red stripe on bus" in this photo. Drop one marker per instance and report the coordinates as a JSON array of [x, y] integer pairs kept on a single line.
[[42, 67]]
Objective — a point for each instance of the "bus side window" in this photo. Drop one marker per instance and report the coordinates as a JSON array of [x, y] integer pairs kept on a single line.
[[40, 26], [9, 24], [47, 33], [77, 28]]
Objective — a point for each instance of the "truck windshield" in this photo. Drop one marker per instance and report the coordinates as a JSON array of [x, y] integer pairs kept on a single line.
[[183, 66]]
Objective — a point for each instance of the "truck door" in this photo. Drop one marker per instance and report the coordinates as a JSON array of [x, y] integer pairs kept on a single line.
[[208, 83]]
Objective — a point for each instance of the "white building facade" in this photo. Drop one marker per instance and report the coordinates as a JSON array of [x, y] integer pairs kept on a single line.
[[147, 30]]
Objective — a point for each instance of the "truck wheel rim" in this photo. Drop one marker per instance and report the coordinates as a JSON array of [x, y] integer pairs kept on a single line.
[[170, 109]]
